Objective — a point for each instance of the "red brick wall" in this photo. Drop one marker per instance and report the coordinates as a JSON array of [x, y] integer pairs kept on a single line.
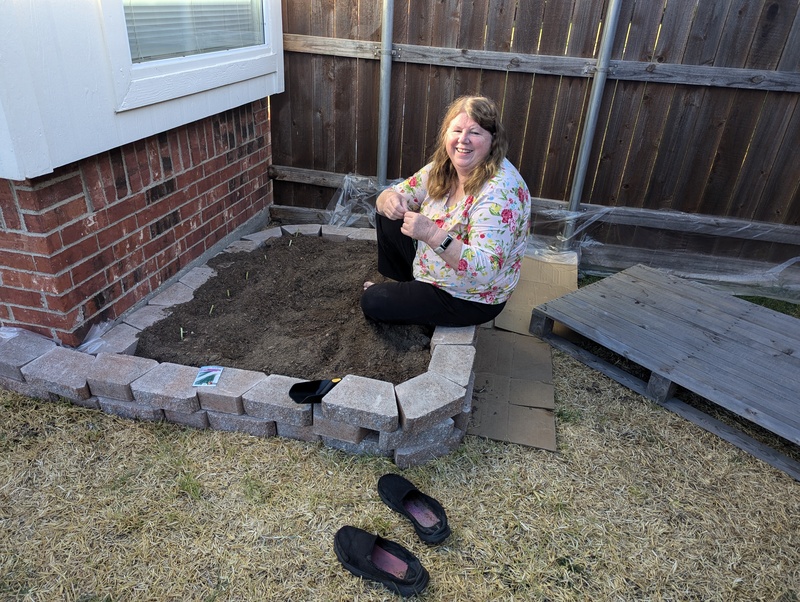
[[86, 243]]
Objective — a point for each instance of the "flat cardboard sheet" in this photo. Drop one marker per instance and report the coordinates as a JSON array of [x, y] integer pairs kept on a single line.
[[513, 399]]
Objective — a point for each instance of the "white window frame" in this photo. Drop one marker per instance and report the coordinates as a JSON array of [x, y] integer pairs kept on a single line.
[[139, 85]]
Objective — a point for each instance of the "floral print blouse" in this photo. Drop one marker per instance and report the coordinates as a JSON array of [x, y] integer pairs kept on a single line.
[[493, 227]]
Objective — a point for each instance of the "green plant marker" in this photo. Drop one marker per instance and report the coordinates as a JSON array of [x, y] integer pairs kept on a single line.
[[210, 310], [246, 275], [181, 333]]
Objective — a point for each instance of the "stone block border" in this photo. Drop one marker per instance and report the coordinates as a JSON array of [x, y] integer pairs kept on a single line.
[[414, 422]]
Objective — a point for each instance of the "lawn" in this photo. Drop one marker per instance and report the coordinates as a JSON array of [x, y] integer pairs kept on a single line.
[[638, 504]]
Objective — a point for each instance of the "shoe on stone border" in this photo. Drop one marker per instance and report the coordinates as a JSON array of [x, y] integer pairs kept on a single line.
[[424, 512], [378, 559]]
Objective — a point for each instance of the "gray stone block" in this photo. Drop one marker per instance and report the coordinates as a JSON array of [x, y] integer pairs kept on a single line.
[[342, 431], [197, 277], [462, 419], [197, 420], [300, 433], [111, 375], [169, 387], [130, 410], [146, 316], [257, 427], [269, 399], [263, 236], [426, 400], [368, 446], [408, 457], [61, 371], [174, 295], [21, 349], [438, 433], [122, 338], [302, 229], [454, 335], [27, 389], [364, 402], [226, 396], [91, 403], [369, 234], [337, 233], [242, 246], [454, 362]]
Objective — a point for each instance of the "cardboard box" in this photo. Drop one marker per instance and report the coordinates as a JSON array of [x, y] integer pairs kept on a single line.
[[545, 275]]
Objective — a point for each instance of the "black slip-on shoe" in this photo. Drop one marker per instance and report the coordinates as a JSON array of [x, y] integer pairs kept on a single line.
[[424, 512], [378, 559]]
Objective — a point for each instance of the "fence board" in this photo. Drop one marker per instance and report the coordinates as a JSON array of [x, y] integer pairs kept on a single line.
[[544, 100], [632, 105], [687, 113], [345, 89], [499, 36], [772, 31], [738, 33], [666, 133], [474, 15], [666, 138], [519, 87], [763, 154], [366, 97], [570, 101], [779, 200], [415, 127], [790, 54], [445, 20], [744, 110]]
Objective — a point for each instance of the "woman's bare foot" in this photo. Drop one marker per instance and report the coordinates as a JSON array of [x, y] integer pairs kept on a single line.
[[368, 284]]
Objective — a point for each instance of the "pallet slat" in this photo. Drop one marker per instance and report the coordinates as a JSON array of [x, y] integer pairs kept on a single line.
[[712, 425], [714, 376], [733, 353]]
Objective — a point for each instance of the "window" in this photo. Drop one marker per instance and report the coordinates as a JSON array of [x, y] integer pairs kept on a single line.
[[176, 48], [170, 28]]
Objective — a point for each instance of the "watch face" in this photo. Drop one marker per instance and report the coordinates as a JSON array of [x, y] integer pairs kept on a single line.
[[445, 243]]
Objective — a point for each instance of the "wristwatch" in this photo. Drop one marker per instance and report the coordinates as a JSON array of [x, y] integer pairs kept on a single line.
[[445, 243]]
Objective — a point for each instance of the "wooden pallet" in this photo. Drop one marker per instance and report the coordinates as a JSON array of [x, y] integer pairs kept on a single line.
[[733, 353]]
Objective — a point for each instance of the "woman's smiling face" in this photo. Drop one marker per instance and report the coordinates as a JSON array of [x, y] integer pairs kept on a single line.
[[468, 144]]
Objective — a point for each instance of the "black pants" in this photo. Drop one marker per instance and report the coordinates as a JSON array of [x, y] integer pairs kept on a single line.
[[408, 301]]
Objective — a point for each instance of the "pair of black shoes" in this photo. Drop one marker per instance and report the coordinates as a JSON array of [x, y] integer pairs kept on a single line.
[[378, 559]]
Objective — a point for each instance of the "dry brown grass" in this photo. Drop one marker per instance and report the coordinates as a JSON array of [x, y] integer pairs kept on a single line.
[[637, 505]]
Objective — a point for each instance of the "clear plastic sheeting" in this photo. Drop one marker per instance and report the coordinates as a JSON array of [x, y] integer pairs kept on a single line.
[[9, 332], [739, 257], [355, 200], [93, 343]]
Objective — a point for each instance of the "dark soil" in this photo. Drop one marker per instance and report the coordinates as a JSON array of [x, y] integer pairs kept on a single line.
[[290, 308]]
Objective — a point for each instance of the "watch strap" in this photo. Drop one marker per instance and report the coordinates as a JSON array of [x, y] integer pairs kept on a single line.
[[445, 243]]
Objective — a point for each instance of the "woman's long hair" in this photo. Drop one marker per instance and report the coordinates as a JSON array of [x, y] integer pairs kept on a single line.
[[443, 176]]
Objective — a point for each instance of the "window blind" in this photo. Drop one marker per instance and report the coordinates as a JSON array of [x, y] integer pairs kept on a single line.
[[159, 29]]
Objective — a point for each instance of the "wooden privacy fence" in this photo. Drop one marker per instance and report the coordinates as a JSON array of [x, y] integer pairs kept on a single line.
[[699, 115]]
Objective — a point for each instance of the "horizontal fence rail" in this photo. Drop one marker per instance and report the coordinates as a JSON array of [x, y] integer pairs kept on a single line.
[[693, 75]]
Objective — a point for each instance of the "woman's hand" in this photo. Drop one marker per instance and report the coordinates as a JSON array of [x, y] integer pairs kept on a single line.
[[419, 227], [390, 204]]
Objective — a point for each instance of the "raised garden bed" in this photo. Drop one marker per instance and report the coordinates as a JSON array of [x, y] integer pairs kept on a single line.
[[414, 421]]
